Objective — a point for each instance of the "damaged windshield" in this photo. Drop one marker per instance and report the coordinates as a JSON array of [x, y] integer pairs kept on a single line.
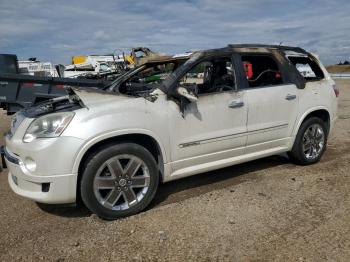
[[145, 78]]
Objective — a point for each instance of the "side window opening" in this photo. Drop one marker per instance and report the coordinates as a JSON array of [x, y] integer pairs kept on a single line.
[[261, 70], [307, 67], [210, 76]]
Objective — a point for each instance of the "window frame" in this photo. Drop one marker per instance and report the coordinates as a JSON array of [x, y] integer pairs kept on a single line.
[[207, 58], [245, 84], [312, 59]]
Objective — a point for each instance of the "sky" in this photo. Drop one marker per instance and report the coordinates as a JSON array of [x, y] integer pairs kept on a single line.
[[56, 30]]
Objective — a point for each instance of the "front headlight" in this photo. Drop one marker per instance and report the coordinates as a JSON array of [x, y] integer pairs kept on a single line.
[[51, 125]]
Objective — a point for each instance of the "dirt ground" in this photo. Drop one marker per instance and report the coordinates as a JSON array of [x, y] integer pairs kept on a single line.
[[338, 68], [264, 210]]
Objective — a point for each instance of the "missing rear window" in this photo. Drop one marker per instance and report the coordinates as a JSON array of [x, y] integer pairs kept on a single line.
[[307, 67]]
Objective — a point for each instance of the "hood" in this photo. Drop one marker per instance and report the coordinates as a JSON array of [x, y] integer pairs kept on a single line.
[[96, 97]]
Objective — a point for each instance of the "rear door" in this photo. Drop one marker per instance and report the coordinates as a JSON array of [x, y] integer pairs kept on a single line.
[[272, 103]]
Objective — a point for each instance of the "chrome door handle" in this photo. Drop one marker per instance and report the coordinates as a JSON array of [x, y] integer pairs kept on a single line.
[[290, 97], [236, 104]]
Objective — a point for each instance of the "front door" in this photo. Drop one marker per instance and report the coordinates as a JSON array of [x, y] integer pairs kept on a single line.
[[213, 128]]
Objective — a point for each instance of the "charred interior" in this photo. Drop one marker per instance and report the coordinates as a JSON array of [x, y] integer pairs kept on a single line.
[[214, 74], [261, 70], [147, 77]]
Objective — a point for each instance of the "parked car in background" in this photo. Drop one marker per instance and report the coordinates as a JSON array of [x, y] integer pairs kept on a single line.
[[113, 147]]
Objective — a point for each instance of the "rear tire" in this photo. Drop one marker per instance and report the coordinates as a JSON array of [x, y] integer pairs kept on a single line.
[[310, 142], [119, 180]]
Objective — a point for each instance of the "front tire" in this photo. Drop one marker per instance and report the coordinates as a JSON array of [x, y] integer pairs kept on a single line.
[[119, 180], [310, 142]]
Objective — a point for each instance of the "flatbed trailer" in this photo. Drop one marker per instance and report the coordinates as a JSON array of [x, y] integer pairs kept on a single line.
[[20, 91]]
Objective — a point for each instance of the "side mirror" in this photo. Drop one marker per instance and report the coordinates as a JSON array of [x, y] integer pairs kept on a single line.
[[187, 94]]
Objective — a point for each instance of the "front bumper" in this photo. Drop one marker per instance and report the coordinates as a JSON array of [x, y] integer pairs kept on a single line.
[[43, 169], [57, 189]]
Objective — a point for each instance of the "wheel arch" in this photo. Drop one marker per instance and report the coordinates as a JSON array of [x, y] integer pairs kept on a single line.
[[142, 137], [320, 112]]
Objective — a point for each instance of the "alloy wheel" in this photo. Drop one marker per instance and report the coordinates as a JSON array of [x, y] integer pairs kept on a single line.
[[313, 141], [121, 182]]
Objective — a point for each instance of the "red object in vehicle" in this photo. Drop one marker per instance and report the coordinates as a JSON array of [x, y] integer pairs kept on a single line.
[[28, 84], [248, 67], [60, 86], [278, 75]]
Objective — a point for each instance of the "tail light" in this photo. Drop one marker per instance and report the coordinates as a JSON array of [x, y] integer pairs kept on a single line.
[[336, 90]]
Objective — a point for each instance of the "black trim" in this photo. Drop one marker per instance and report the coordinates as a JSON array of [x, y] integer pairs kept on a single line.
[[288, 70], [10, 158], [241, 78], [2, 153]]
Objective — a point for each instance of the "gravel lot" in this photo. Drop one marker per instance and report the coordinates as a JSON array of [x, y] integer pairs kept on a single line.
[[264, 210]]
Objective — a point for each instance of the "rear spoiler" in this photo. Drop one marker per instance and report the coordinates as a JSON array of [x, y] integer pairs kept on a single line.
[[4, 77]]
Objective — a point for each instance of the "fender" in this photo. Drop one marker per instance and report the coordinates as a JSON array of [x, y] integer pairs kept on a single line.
[[305, 114], [100, 137]]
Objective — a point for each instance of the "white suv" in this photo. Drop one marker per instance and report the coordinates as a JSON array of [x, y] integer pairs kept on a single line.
[[167, 119]]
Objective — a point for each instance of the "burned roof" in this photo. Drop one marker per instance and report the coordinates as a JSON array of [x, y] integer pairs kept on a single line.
[[252, 48], [228, 48], [166, 59], [265, 46]]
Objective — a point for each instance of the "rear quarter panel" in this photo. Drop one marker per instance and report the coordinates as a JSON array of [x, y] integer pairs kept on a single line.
[[316, 95]]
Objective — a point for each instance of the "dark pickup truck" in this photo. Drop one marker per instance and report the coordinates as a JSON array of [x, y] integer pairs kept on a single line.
[[21, 91]]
